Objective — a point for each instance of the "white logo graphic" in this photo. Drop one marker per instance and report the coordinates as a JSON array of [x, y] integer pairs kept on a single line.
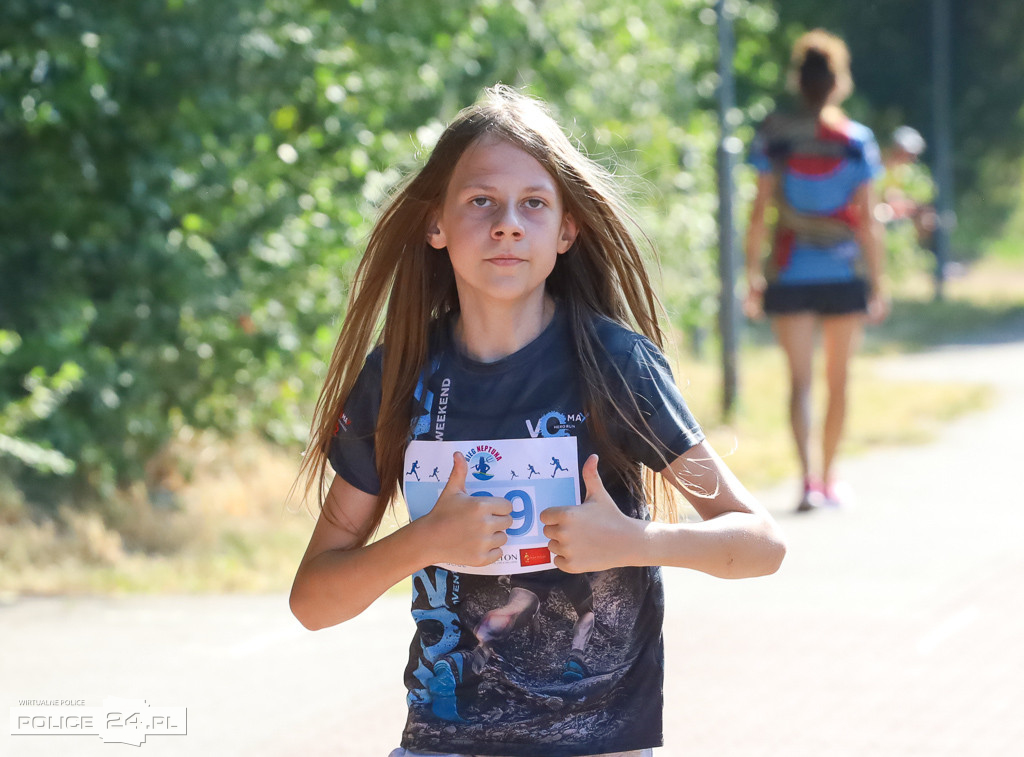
[[118, 721]]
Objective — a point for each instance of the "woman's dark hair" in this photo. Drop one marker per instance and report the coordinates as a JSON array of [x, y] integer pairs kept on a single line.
[[816, 79], [820, 69]]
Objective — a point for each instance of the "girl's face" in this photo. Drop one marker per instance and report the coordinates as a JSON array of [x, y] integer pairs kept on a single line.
[[504, 225]]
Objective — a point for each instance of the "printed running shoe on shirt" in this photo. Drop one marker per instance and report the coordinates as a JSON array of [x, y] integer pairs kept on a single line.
[[448, 676]]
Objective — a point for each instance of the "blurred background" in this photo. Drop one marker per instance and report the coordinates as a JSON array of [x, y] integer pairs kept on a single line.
[[186, 186]]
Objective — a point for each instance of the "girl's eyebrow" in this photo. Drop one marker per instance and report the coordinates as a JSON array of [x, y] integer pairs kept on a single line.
[[475, 187]]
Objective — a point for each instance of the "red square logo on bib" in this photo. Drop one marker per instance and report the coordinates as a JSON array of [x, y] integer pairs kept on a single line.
[[534, 556]]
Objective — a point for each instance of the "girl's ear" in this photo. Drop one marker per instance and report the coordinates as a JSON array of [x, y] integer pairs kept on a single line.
[[567, 234], [435, 236]]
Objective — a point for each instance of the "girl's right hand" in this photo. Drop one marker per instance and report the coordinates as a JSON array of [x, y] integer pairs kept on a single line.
[[465, 530]]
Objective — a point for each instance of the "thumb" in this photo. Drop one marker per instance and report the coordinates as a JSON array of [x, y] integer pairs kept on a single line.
[[592, 479], [457, 478]]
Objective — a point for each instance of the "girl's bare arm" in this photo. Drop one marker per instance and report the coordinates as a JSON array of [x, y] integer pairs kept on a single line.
[[337, 578], [736, 537]]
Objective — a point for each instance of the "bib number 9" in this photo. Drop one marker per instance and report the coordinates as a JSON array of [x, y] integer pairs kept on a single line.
[[523, 511]]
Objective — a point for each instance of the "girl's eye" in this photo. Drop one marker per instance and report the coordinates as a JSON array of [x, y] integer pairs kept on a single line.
[[480, 202], [534, 203]]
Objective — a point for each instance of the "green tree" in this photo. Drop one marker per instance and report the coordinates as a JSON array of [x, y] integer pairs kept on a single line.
[[186, 185]]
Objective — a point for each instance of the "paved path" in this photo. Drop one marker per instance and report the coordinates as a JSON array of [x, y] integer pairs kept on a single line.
[[896, 628]]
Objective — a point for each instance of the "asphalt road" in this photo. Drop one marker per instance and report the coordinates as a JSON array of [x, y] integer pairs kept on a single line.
[[894, 628]]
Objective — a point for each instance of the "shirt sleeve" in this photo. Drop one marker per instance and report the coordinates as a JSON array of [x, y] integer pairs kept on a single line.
[[672, 428], [352, 453], [871, 167]]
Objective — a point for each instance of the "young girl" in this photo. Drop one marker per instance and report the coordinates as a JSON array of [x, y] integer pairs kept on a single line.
[[507, 366], [816, 166]]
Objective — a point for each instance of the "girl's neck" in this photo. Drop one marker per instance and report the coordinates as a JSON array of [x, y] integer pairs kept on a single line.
[[490, 334]]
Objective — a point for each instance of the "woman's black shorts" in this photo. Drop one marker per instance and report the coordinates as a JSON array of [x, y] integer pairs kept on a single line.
[[824, 299]]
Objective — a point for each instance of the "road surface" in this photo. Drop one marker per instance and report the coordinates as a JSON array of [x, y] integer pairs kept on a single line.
[[896, 628]]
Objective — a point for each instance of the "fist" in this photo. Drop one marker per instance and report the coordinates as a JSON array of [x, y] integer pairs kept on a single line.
[[465, 530], [594, 536]]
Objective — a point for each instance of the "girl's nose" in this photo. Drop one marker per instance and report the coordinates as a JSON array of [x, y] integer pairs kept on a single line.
[[507, 225]]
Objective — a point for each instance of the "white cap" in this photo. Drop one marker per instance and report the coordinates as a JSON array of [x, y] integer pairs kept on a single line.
[[909, 140]]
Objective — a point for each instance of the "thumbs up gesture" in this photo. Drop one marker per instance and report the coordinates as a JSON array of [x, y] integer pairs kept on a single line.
[[596, 535], [465, 530]]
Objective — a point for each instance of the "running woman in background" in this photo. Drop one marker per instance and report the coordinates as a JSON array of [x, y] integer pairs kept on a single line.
[[825, 267]]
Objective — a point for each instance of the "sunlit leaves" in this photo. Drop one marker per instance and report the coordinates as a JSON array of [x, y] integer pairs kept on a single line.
[[192, 183]]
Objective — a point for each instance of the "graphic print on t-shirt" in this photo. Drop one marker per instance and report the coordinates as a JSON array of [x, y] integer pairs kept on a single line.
[[533, 474]]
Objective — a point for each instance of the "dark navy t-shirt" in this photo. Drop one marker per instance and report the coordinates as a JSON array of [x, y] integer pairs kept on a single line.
[[522, 700]]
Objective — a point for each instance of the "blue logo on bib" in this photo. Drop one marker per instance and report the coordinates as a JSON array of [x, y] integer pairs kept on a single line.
[[481, 460], [481, 466]]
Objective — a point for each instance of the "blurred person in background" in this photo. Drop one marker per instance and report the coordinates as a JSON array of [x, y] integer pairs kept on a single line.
[[907, 206], [906, 187], [824, 268]]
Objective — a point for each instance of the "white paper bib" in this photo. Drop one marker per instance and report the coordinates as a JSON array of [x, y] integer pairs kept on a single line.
[[533, 474]]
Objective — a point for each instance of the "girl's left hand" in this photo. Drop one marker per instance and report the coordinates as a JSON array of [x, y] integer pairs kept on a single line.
[[596, 535]]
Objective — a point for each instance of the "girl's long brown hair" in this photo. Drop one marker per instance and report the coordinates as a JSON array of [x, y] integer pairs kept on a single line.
[[413, 285]]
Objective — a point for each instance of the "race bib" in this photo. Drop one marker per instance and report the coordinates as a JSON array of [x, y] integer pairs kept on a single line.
[[532, 474]]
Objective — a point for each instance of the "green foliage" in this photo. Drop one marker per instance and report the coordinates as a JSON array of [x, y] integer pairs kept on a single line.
[[142, 177], [42, 396], [187, 186]]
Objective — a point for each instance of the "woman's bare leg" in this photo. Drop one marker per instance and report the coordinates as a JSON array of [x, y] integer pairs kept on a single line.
[[841, 336], [795, 333]]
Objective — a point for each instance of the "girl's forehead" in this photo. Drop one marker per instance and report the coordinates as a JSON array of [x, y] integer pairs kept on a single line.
[[491, 158]]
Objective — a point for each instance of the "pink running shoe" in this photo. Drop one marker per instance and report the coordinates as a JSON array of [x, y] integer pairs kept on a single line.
[[838, 495], [813, 496]]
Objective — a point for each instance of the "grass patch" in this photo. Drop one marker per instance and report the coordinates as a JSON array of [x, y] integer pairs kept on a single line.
[[983, 301], [223, 528], [757, 445]]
